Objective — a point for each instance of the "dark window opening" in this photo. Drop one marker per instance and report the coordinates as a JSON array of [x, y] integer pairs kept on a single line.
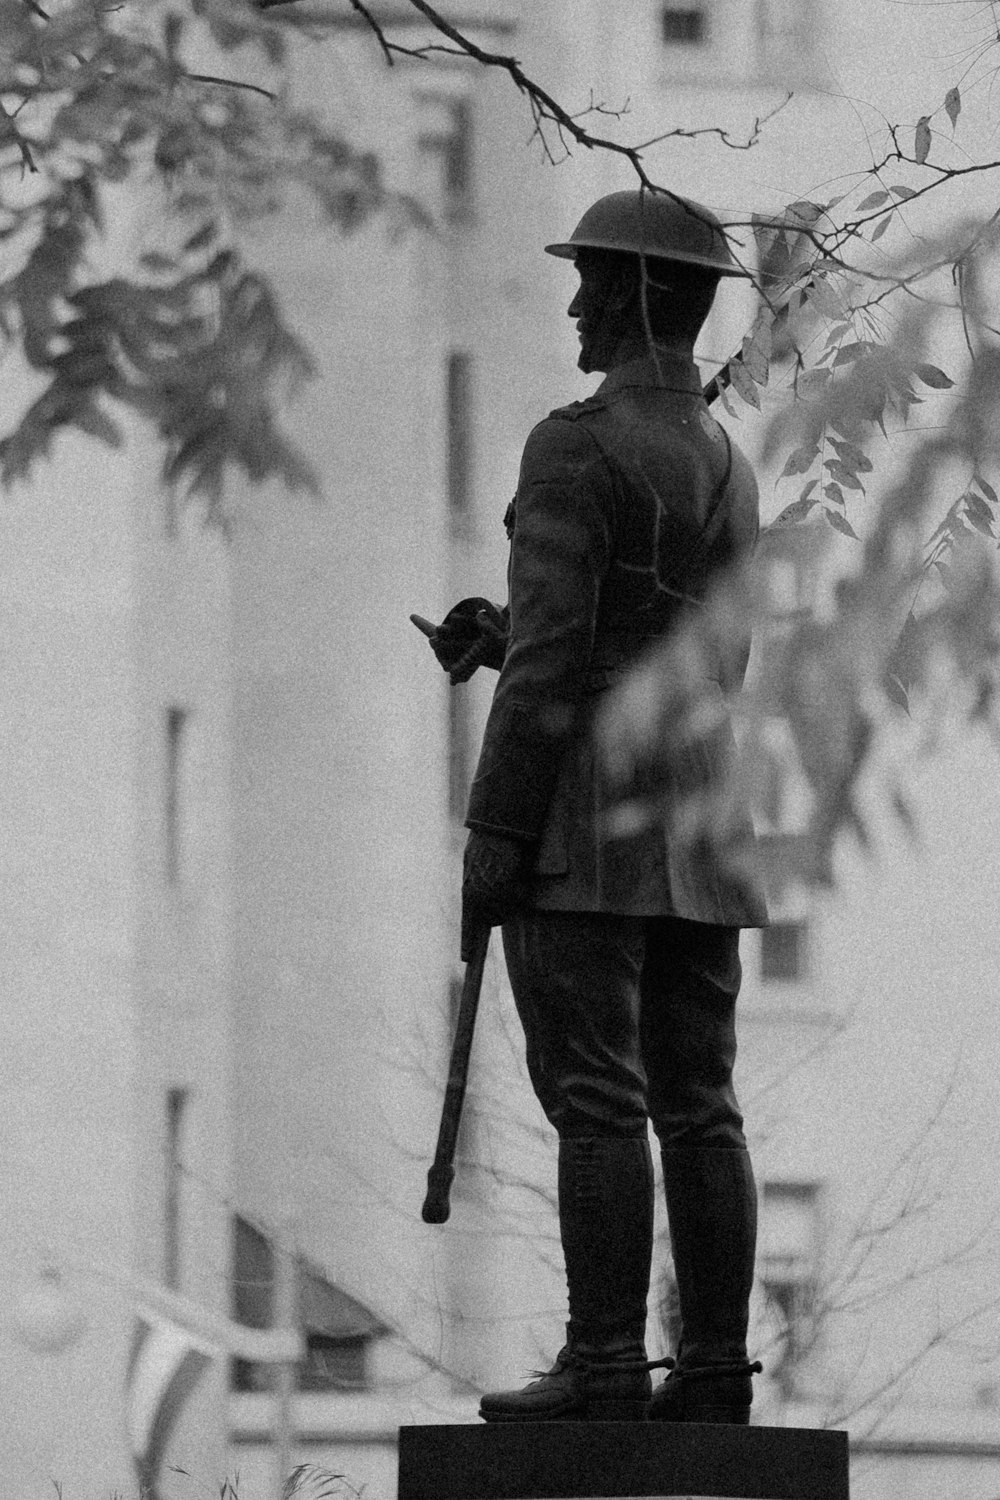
[[330, 1364], [458, 424], [173, 811], [339, 1331], [686, 25], [172, 1228], [333, 1364], [783, 951], [787, 1264], [451, 145]]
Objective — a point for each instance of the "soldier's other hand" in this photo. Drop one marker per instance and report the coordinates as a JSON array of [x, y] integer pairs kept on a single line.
[[493, 883], [472, 634]]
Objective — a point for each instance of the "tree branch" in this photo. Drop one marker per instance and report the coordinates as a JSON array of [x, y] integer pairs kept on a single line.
[[230, 83]]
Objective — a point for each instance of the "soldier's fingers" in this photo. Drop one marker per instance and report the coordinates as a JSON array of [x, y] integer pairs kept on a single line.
[[467, 663], [490, 626]]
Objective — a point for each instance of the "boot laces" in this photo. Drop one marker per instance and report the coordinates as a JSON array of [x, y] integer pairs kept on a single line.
[[709, 1372]]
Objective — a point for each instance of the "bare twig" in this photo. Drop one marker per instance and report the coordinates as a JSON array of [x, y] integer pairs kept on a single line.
[[230, 83], [366, 14], [9, 131], [689, 135]]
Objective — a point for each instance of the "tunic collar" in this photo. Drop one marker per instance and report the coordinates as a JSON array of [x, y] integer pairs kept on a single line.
[[662, 368]]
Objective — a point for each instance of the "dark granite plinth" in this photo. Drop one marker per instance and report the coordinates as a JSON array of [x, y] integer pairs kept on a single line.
[[565, 1460]]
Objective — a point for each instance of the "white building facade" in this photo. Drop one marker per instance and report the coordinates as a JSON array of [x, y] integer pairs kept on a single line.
[[234, 808]]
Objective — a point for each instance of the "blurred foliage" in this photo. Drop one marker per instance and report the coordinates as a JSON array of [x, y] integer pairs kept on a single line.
[[190, 337], [885, 549], [874, 596]]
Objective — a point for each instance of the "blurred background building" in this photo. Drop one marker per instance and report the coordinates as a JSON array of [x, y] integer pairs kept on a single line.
[[234, 782]]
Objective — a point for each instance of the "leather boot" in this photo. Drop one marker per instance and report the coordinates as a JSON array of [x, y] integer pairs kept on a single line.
[[606, 1226], [712, 1211]]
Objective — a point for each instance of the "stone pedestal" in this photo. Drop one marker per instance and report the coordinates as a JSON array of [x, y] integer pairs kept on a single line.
[[565, 1460]]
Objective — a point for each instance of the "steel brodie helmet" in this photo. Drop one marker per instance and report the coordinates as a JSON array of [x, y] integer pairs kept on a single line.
[[656, 224]]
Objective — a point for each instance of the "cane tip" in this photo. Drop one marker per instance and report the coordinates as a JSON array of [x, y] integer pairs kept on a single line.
[[435, 1210]]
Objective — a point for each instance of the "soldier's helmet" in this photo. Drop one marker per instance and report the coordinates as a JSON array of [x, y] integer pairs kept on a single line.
[[658, 224]]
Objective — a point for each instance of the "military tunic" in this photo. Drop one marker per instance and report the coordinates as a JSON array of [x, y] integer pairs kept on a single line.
[[627, 505]]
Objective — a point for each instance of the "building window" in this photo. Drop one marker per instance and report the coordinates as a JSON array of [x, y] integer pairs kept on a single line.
[[458, 420], [334, 1364], [684, 25], [339, 1332], [783, 951], [787, 1264], [177, 1100], [784, 32], [173, 811]]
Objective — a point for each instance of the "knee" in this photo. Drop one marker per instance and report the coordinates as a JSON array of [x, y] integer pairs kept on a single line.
[[699, 1118], [593, 1106], [722, 1134]]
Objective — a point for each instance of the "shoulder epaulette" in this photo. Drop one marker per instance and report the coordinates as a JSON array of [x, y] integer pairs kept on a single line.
[[576, 409]]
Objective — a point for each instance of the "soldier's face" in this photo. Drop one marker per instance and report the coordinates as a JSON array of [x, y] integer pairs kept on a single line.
[[597, 307]]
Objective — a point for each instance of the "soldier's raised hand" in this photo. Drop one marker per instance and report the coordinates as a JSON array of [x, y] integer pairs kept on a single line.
[[472, 634]]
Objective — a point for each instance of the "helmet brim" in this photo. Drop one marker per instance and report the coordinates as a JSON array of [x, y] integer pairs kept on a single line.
[[568, 250]]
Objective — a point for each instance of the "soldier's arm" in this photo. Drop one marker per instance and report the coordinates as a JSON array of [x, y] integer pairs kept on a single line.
[[560, 552]]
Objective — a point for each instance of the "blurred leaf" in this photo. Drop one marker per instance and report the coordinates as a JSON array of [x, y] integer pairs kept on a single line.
[[881, 227], [792, 514], [202, 237], [805, 212], [895, 691], [953, 105], [843, 475], [987, 489], [855, 458], [922, 139], [97, 424], [727, 404], [978, 513], [841, 523], [756, 350], [800, 460], [825, 299], [743, 383], [850, 352], [932, 376], [903, 810], [874, 200], [906, 655], [900, 190]]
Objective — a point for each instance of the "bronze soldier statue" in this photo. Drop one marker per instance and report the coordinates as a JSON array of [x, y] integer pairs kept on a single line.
[[622, 952]]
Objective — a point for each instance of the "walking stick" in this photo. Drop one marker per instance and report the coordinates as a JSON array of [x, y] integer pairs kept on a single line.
[[441, 1174]]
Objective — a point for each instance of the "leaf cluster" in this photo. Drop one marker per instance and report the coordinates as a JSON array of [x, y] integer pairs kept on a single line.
[[190, 339]]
